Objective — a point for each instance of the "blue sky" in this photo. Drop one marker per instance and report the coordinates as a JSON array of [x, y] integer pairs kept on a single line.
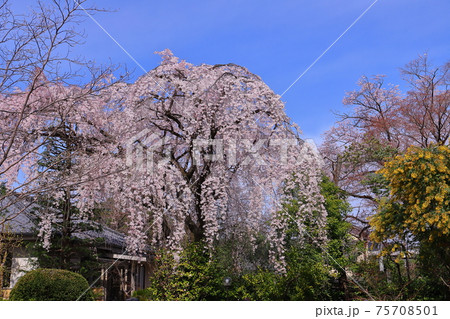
[[277, 40]]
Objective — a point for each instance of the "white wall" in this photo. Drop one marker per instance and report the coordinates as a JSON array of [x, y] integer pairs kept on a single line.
[[20, 265]]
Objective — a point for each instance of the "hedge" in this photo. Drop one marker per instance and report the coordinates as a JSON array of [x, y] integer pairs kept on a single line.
[[51, 284]]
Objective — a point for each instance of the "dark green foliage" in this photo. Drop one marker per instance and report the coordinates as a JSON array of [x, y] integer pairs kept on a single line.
[[342, 250], [307, 274], [312, 273], [80, 255], [421, 277], [199, 273], [306, 278], [51, 284], [434, 270], [67, 251], [261, 285], [194, 277]]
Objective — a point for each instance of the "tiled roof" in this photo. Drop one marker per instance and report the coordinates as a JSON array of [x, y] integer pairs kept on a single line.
[[23, 222], [18, 214]]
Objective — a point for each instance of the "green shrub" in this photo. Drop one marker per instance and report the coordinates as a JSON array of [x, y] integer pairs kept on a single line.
[[195, 276], [51, 284], [261, 285], [142, 295]]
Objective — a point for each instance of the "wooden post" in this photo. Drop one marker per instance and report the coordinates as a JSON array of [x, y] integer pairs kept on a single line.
[[133, 276]]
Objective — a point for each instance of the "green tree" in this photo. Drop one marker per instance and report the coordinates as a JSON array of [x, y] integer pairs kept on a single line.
[[312, 272], [62, 248], [341, 248]]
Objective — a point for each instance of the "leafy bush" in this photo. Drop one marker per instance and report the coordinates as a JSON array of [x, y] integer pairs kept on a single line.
[[261, 285], [193, 277], [199, 274], [309, 274], [142, 295], [51, 284]]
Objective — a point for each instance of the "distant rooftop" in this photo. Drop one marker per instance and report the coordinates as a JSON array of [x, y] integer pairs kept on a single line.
[[22, 220]]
